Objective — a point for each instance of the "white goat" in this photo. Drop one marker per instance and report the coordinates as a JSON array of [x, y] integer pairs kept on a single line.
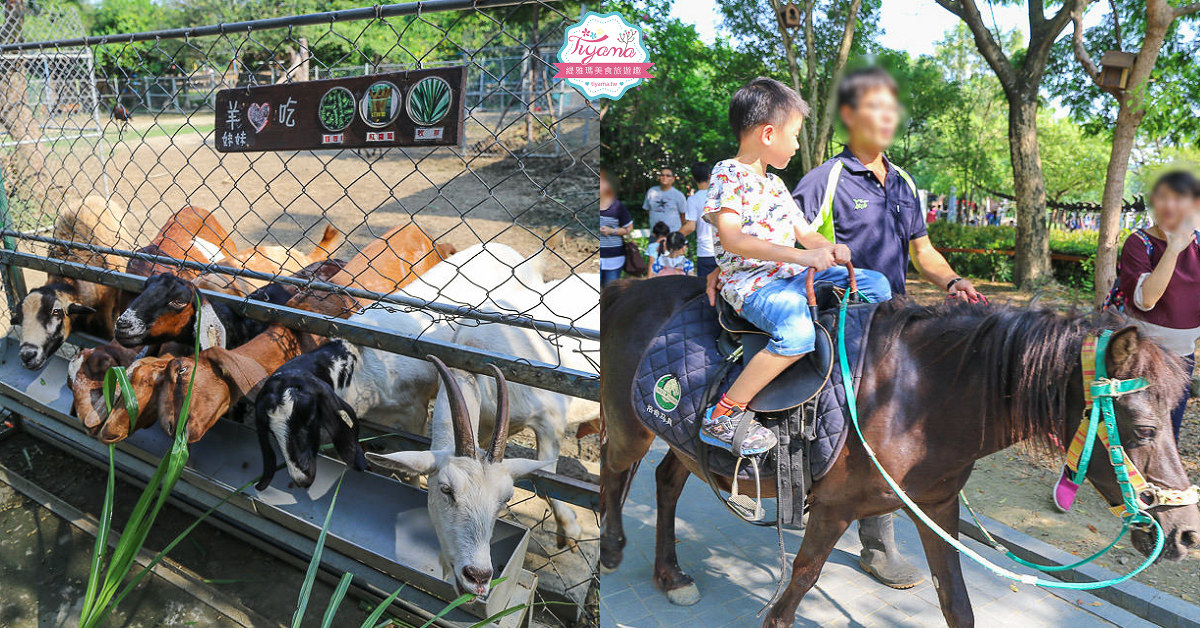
[[467, 490]]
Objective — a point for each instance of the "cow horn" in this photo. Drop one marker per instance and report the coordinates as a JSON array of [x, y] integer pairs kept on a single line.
[[464, 436], [500, 432]]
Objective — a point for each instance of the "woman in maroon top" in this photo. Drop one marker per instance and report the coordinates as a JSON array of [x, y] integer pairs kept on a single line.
[[1160, 273]]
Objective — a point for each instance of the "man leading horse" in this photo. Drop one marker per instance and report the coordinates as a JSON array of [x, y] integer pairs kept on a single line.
[[862, 200]]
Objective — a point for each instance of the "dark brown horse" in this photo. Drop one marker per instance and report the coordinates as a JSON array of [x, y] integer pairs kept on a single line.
[[943, 387]]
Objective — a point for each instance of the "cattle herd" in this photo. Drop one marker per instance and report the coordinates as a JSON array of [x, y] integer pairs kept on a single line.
[[298, 388]]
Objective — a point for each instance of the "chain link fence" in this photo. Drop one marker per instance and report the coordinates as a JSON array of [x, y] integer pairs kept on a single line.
[[129, 119]]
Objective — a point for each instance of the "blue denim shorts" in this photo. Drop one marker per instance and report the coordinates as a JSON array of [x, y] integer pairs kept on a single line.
[[780, 307]]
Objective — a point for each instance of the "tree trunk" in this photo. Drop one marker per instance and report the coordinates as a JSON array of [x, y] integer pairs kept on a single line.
[[1129, 117], [789, 49], [1032, 263], [1112, 201]]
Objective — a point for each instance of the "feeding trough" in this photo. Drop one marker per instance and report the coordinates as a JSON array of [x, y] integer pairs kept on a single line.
[[380, 524]]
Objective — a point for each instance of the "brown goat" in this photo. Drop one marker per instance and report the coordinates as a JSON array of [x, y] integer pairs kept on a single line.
[[281, 260], [223, 377], [85, 377], [393, 261], [48, 314]]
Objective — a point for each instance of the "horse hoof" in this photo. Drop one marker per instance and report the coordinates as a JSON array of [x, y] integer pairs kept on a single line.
[[685, 595]]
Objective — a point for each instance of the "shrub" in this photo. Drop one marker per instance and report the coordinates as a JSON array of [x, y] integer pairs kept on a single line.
[[999, 266]]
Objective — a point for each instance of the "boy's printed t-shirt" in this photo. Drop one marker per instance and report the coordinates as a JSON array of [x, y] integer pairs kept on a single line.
[[704, 229], [767, 211], [681, 263], [665, 206]]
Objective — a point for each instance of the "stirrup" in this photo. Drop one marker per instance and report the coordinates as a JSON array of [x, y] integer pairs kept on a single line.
[[742, 505]]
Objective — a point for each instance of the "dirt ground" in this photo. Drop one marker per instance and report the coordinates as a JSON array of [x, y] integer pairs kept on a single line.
[[1014, 485], [158, 165]]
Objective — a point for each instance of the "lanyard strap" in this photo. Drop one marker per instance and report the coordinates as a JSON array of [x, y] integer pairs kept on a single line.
[[915, 510]]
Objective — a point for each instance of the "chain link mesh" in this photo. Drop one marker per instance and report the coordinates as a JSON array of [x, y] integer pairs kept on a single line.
[[130, 119]]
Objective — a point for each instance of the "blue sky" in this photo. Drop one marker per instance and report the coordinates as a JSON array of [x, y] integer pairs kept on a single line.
[[911, 25]]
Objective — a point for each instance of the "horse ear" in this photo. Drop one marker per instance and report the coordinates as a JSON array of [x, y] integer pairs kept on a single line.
[[1121, 350]]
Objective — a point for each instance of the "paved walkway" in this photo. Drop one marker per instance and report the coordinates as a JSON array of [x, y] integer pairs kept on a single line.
[[736, 577]]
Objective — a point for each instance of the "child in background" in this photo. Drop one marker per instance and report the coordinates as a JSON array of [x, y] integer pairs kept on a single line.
[[658, 236], [674, 261], [758, 225]]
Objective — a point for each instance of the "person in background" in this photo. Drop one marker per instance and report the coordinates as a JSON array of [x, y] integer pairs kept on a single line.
[[674, 261], [665, 203], [657, 244], [1158, 276], [615, 224], [706, 258], [1160, 268]]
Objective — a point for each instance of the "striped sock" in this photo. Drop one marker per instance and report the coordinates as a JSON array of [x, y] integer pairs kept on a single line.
[[726, 406]]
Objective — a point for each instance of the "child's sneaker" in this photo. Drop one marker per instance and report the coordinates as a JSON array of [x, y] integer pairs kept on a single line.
[[1064, 491], [721, 431]]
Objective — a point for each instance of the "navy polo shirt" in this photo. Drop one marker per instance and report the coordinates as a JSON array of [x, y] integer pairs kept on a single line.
[[875, 220]]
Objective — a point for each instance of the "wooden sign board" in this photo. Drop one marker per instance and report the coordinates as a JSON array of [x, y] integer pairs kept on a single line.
[[415, 108]]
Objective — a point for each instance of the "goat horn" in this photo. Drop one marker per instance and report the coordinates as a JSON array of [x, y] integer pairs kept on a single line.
[[464, 435], [500, 432]]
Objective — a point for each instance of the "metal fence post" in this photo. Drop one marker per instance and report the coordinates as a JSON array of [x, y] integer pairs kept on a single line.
[[13, 277]]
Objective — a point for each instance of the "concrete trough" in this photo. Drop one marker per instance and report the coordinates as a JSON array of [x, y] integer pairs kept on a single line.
[[378, 522]]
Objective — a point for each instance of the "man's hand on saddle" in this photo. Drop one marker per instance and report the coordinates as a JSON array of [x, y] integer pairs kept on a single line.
[[961, 289]]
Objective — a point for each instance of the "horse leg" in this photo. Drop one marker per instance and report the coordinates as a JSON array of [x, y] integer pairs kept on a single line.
[[670, 476], [945, 566], [620, 452], [820, 536]]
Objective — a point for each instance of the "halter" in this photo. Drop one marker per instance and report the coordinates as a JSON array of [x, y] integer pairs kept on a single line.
[[1102, 390], [1137, 494]]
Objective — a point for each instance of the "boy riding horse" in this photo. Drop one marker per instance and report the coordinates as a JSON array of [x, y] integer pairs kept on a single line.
[[861, 200]]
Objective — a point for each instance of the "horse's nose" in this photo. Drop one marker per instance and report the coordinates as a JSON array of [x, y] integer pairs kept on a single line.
[[477, 576], [1190, 538]]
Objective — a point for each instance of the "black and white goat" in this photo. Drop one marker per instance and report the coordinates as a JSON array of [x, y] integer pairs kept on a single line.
[[300, 400]]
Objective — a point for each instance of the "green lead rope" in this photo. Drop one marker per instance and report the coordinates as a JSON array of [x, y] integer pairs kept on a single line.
[[1102, 406]]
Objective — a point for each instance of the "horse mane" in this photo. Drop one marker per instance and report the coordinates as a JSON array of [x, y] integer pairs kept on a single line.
[[1027, 358]]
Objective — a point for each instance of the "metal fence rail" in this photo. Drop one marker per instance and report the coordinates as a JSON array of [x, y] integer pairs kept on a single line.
[[131, 118]]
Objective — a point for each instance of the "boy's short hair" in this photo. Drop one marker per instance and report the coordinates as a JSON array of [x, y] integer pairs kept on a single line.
[[858, 82], [763, 101], [701, 171], [1180, 182]]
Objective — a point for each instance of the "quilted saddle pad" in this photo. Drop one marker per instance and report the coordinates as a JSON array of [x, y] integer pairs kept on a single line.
[[675, 370]]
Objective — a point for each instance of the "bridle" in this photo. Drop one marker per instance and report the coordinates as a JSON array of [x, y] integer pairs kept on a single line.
[[1137, 493]]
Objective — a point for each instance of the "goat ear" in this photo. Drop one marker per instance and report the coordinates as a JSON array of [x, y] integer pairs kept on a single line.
[[16, 315], [521, 467], [416, 462], [76, 308], [242, 374], [1122, 348]]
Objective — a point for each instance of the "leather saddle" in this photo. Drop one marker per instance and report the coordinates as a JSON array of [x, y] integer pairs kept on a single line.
[[802, 381]]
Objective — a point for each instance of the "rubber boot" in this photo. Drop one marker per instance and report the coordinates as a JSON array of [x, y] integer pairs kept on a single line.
[[879, 556]]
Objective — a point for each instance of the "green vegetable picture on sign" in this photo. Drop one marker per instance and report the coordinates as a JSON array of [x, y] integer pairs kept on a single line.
[[336, 110], [429, 101]]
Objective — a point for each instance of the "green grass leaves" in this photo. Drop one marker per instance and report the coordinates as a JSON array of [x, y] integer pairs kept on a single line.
[[429, 101]]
